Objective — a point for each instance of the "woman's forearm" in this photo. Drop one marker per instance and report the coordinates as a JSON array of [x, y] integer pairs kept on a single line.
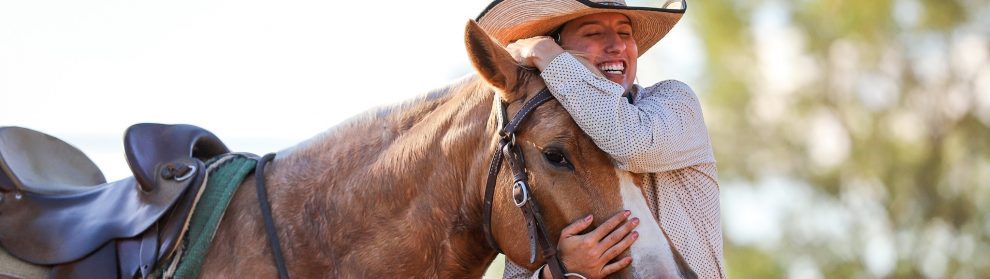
[[664, 130]]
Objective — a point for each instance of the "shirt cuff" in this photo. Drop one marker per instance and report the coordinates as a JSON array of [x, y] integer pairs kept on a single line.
[[539, 272], [566, 68]]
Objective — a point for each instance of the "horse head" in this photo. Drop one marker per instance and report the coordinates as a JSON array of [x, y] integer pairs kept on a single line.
[[568, 175]]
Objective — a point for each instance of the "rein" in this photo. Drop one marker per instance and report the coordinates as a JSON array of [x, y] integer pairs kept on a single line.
[[266, 212], [521, 194]]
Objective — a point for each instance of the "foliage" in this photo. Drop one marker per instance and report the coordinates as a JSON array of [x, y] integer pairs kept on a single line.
[[880, 108]]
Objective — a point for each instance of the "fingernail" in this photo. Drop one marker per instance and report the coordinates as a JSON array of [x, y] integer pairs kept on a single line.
[[635, 234], [635, 221], [627, 213], [588, 219]]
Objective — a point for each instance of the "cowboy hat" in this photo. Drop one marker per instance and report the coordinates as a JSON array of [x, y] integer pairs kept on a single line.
[[510, 20]]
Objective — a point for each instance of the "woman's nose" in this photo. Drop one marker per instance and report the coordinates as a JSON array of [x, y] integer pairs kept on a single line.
[[614, 43]]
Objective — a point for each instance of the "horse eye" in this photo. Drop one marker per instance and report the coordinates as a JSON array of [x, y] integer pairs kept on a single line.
[[557, 158]]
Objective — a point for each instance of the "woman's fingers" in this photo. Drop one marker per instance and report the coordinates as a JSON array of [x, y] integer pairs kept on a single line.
[[616, 266], [576, 227], [618, 234], [517, 52], [534, 52], [601, 231], [617, 249], [576, 251], [591, 253]]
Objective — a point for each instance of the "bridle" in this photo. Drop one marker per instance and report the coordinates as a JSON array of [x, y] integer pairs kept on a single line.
[[521, 194]]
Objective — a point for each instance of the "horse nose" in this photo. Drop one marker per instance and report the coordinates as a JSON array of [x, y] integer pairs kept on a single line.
[[626, 273]]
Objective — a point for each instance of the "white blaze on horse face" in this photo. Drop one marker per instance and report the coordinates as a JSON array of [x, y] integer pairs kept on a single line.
[[652, 257]]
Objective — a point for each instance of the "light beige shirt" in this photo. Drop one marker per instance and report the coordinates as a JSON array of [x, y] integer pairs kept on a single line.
[[662, 133]]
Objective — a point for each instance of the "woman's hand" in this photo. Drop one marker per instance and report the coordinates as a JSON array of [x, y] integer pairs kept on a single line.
[[590, 254], [534, 52]]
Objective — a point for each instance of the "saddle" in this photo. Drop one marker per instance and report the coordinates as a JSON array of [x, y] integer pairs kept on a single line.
[[56, 208]]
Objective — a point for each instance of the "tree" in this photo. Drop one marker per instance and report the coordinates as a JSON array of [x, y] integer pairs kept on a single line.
[[874, 114]]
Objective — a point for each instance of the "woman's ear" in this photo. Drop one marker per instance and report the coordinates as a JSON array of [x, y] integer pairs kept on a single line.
[[492, 61]]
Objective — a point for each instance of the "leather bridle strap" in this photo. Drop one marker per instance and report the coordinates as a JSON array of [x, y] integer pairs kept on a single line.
[[522, 197], [506, 136], [507, 148], [493, 169], [266, 213]]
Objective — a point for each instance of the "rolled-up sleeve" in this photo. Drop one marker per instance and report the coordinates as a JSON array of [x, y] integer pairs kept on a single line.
[[663, 130]]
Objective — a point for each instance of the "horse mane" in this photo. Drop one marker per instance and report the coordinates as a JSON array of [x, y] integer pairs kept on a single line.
[[407, 112], [378, 146], [385, 142]]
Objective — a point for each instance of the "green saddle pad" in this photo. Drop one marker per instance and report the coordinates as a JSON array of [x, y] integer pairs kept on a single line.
[[225, 174]]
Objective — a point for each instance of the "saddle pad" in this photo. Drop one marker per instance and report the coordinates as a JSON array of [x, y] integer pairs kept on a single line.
[[225, 175]]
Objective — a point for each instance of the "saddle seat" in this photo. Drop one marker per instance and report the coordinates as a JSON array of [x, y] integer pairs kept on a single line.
[[35, 162], [56, 208]]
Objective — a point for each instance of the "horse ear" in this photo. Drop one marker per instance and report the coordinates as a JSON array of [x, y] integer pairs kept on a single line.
[[492, 62]]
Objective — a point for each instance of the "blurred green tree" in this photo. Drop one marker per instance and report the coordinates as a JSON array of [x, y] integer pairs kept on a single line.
[[874, 116]]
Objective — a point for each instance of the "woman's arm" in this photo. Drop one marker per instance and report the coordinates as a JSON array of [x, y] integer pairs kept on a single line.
[[687, 205], [664, 130]]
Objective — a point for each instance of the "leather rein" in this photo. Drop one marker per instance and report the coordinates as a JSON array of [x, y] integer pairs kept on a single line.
[[266, 213], [521, 194]]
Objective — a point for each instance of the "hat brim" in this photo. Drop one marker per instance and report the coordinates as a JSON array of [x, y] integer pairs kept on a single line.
[[511, 20]]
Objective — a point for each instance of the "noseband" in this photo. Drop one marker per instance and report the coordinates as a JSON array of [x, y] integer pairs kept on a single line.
[[521, 194]]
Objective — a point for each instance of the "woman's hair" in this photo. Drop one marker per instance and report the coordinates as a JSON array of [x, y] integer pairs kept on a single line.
[[555, 34]]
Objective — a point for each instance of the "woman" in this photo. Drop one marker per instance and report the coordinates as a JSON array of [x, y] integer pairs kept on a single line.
[[658, 129]]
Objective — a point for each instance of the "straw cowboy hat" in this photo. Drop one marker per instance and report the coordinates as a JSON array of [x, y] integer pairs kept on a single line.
[[510, 20]]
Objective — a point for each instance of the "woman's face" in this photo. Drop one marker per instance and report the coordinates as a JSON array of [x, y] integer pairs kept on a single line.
[[607, 41]]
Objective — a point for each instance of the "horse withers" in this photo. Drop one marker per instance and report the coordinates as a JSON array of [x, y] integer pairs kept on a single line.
[[398, 192]]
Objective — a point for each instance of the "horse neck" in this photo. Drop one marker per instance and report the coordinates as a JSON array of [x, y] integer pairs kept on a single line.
[[419, 165]]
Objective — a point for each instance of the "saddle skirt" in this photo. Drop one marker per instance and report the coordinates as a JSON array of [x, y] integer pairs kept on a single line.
[[55, 229]]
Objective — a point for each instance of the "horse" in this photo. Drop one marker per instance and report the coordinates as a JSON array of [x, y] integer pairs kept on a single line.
[[397, 192], [400, 191]]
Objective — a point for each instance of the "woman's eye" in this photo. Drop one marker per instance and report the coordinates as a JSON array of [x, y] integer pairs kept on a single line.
[[592, 34], [557, 158]]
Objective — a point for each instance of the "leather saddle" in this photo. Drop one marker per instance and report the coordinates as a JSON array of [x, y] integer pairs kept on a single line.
[[57, 209]]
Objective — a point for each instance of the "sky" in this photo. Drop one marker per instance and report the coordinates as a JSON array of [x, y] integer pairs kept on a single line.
[[262, 75]]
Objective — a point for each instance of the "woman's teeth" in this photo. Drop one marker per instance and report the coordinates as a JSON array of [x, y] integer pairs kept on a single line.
[[612, 68]]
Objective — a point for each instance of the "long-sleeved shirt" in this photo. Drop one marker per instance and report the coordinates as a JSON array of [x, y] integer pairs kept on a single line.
[[662, 132]]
